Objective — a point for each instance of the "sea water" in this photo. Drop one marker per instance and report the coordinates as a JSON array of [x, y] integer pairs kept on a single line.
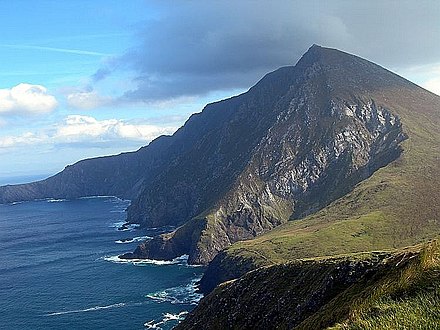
[[59, 270]]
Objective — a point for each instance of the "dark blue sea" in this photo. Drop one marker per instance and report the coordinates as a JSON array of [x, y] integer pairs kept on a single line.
[[59, 270]]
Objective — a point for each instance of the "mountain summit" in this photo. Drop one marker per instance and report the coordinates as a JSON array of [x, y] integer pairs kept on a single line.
[[300, 139]]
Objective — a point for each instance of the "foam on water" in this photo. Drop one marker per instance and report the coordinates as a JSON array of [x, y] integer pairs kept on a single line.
[[118, 211], [167, 317], [65, 280], [182, 260], [125, 226], [90, 309], [134, 239], [54, 200], [15, 203], [182, 294], [100, 196]]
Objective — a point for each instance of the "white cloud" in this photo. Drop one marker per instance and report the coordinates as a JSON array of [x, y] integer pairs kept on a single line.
[[433, 85], [23, 139], [86, 131], [88, 100], [77, 128], [26, 98]]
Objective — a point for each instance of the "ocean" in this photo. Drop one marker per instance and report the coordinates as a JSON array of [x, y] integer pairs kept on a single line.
[[59, 270]]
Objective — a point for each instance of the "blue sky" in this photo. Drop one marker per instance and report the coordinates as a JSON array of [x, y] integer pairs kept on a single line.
[[88, 78]]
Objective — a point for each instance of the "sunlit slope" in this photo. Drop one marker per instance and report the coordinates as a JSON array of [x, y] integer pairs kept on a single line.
[[398, 205], [372, 290]]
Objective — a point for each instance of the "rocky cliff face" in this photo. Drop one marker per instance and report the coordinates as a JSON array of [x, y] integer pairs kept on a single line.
[[322, 292], [299, 139]]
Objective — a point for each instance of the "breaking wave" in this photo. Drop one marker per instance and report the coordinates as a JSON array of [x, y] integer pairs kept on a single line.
[[182, 294], [125, 226], [167, 317], [54, 200], [134, 239], [182, 260]]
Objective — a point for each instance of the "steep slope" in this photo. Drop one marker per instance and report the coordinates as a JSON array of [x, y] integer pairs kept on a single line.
[[397, 206], [208, 151], [336, 123], [127, 174], [377, 290], [200, 175]]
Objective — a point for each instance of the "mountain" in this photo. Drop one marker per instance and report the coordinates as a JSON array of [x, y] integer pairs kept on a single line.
[[308, 135], [397, 206], [300, 139]]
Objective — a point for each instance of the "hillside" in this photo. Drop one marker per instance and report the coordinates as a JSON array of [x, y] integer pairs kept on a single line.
[[282, 189], [376, 290], [119, 175], [398, 205]]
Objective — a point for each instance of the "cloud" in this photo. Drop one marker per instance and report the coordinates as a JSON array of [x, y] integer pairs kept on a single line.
[[100, 74], [57, 50], [26, 98], [88, 100], [195, 47], [27, 138], [82, 128], [433, 85], [85, 131]]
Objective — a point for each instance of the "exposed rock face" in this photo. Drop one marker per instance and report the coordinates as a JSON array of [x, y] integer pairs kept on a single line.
[[299, 139]]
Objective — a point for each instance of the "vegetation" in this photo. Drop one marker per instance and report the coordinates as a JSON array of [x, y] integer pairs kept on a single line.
[[399, 297], [398, 206], [397, 289]]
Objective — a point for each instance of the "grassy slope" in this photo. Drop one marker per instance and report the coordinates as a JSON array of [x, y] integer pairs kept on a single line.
[[398, 206], [402, 297], [378, 290]]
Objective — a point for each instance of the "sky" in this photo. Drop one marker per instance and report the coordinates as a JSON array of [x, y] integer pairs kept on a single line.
[[80, 79]]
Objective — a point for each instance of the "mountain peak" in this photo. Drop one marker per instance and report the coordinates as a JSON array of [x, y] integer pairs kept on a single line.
[[346, 72], [317, 53], [315, 47]]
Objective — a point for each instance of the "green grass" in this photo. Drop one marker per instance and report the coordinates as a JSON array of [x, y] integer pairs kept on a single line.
[[419, 311], [403, 295], [397, 289]]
